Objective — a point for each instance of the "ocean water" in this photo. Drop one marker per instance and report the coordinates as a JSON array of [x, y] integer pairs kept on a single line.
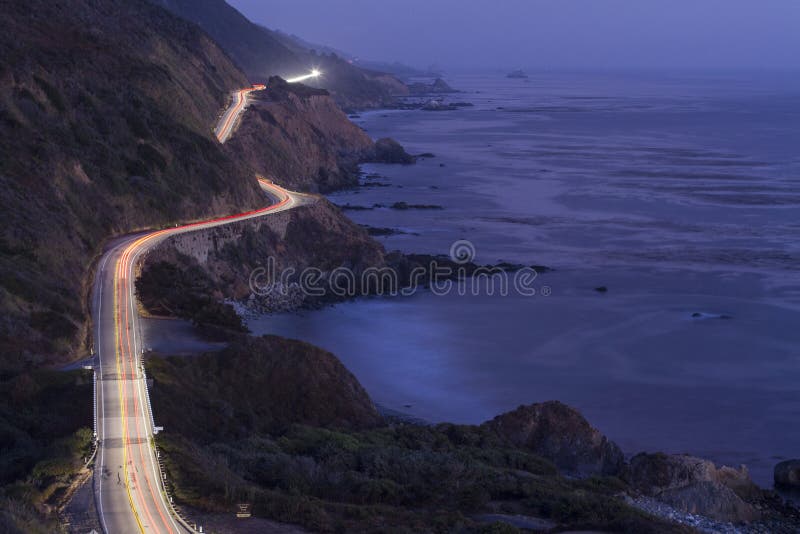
[[680, 193]]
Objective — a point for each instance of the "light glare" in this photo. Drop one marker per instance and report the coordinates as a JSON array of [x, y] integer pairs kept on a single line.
[[314, 74]]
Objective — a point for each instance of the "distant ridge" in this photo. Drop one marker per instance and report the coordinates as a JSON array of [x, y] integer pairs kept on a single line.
[[261, 53]]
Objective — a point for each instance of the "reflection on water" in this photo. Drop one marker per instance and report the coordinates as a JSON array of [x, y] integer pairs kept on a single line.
[[679, 194]]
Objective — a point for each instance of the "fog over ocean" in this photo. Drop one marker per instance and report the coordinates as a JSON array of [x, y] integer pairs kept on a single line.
[[678, 192]]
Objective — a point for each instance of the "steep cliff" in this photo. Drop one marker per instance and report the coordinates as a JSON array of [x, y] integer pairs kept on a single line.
[[299, 138], [316, 235]]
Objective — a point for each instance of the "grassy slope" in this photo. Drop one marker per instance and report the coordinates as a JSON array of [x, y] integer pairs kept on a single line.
[[44, 441]]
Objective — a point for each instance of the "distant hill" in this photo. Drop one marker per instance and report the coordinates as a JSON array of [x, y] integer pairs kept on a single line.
[[253, 48], [394, 68], [262, 53]]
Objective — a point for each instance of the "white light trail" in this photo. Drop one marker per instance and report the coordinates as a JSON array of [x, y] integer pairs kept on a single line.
[[313, 74]]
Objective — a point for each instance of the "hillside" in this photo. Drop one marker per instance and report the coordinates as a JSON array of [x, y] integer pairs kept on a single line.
[[105, 127], [262, 53]]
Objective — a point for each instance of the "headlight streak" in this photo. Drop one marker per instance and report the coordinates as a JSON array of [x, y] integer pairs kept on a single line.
[[315, 73]]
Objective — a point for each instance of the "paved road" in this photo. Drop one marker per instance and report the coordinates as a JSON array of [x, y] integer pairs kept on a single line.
[[129, 491], [231, 116]]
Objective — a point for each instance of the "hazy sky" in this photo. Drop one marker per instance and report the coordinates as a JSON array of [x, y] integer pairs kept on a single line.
[[720, 34]]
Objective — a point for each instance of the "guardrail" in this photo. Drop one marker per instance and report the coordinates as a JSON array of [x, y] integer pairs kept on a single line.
[[95, 429], [191, 527], [94, 403], [95, 441], [147, 399]]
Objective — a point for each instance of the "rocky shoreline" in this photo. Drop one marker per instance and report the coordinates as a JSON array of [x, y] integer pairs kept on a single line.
[[293, 383]]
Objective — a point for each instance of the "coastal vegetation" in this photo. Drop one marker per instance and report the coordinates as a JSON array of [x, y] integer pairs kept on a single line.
[[45, 442], [284, 426]]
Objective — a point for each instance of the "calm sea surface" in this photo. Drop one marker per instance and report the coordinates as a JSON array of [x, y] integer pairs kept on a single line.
[[679, 193]]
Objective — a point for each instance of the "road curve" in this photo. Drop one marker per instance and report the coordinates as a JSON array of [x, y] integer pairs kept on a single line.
[[129, 490], [231, 116]]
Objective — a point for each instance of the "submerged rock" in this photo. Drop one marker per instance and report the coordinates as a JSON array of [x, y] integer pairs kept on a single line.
[[706, 315], [406, 206], [561, 434]]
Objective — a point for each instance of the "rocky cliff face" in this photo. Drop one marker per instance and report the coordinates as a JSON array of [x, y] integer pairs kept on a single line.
[[299, 138], [315, 235], [106, 109]]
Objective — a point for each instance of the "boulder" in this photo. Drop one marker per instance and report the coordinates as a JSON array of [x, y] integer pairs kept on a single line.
[[787, 474], [561, 434], [694, 485], [712, 500]]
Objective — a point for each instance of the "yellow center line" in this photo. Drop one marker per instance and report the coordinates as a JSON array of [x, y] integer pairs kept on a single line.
[[131, 250], [122, 400]]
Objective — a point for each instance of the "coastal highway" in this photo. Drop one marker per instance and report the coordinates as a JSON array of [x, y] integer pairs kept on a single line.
[[229, 119], [129, 491], [128, 487], [231, 116]]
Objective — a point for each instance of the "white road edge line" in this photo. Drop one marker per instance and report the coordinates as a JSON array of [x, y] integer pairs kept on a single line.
[[101, 396]]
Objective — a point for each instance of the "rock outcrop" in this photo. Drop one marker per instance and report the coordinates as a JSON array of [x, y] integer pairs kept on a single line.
[[787, 474], [387, 150], [562, 435], [316, 235], [695, 485]]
